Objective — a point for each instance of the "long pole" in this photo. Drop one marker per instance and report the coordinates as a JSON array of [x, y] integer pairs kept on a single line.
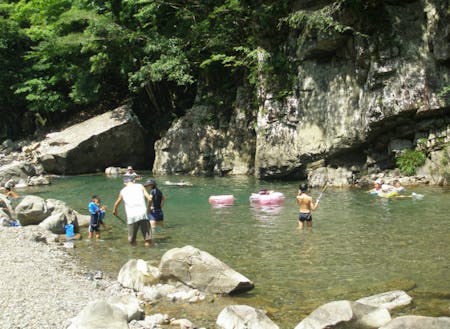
[[321, 193], [121, 219]]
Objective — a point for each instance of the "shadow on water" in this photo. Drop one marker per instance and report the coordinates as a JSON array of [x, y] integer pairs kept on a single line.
[[359, 244]]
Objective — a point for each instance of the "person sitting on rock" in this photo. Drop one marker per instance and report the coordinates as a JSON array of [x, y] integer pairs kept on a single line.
[[10, 194]]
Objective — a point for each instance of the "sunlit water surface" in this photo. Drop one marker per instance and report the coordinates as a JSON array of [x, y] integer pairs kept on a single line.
[[360, 244]]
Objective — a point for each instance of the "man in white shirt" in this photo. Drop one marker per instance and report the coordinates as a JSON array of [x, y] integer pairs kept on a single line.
[[134, 195]]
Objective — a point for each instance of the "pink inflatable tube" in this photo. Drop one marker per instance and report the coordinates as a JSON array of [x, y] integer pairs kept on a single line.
[[221, 200], [271, 198]]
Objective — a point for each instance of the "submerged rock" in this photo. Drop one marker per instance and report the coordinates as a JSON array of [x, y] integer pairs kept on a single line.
[[345, 312], [418, 322], [389, 300]]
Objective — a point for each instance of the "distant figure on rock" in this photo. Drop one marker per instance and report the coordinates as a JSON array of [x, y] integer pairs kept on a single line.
[[10, 194], [97, 214], [156, 215], [306, 207], [134, 195], [131, 173]]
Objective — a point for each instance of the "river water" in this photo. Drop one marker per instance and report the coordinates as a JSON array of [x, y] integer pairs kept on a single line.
[[360, 244]]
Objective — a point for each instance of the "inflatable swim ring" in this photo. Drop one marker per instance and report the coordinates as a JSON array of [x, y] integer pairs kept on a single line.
[[269, 198], [221, 200], [390, 194]]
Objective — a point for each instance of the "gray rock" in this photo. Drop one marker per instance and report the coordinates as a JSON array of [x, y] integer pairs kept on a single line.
[[243, 317], [95, 144], [32, 210], [100, 315], [201, 270], [418, 322], [345, 312], [55, 223], [129, 304], [136, 273], [389, 300], [15, 172]]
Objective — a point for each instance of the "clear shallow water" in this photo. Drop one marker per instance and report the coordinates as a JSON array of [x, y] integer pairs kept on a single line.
[[359, 245]]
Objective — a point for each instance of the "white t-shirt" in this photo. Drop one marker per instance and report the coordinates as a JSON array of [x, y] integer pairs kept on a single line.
[[134, 200]]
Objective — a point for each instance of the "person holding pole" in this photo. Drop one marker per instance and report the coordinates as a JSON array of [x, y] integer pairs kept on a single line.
[[134, 195], [306, 206]]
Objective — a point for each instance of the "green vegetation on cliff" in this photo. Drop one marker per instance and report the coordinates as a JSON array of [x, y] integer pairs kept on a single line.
[[61, 57]]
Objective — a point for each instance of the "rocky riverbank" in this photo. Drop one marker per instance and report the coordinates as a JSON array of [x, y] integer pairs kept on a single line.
[[41, 285]]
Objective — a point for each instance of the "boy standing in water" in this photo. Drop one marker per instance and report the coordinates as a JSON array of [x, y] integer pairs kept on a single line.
[[97, 215], [156, 215], [306, 206]]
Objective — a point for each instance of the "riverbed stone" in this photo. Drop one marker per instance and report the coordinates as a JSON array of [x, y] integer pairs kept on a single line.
[[389, 300], [137, 273], [129, 304], [32, 210], [418, 322], [100, 315], [345, 312], [201, 270], [113, 138], [242, 317]]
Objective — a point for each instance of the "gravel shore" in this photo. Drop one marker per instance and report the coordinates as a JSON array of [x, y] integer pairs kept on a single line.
[[41, 285]]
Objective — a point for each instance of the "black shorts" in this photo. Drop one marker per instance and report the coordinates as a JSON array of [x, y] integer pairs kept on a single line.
[[305, 216]]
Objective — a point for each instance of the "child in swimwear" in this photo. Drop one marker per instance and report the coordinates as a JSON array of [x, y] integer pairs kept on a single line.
[[97, 215]]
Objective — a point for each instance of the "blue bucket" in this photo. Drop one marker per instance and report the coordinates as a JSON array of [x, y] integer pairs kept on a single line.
[[69, 231]]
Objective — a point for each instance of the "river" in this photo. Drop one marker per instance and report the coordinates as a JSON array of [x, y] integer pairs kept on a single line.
[[359, 244]]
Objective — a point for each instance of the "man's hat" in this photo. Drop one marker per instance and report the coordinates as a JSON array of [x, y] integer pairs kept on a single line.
[[150, 182]]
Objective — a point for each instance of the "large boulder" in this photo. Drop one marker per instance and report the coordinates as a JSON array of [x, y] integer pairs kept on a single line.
[[16, 172], [201, 270], [113, 138], [32, 210], [51, 214], [242, 317], [100, 315], [136, 273], [418, 322], [345, 312]]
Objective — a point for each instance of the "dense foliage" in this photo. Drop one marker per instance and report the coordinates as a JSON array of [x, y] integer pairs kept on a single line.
[[409, 160], [61, 57]]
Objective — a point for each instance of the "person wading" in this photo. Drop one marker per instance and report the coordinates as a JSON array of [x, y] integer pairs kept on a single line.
[[134, 195], [306, 207]]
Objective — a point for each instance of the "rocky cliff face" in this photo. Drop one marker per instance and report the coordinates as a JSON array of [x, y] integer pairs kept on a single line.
[[365, 86]]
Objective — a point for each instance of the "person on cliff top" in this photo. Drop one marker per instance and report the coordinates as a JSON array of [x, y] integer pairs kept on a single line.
[[97, 213], [306, 207], [131, 173], [133, 195], [156, 215]]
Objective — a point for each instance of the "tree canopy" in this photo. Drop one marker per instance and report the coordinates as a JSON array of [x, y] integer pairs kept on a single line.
[[68, 56]]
